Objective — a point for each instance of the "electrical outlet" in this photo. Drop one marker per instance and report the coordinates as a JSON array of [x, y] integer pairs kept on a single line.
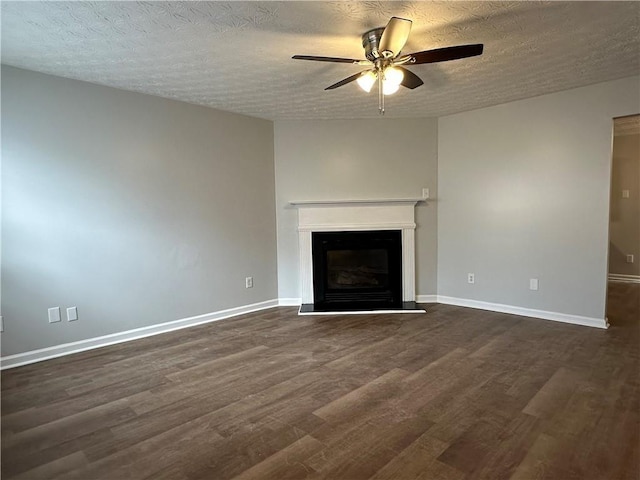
[[425, 193], [625, 193], [248, 282], [72, 314], [533, 284], [1, 324], [471, 278], [54, 315], [630, 258]]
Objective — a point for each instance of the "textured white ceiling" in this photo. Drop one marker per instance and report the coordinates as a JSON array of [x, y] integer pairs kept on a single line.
[[236, 56]]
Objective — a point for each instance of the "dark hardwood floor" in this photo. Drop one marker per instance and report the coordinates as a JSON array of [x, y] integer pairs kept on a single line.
[[451, 394], [623, 303]]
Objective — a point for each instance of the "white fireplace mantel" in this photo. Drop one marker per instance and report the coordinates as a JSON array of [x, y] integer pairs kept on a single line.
[[354, 215], [372, 201]]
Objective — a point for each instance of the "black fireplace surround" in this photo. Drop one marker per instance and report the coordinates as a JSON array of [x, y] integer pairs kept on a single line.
[[357, 270]]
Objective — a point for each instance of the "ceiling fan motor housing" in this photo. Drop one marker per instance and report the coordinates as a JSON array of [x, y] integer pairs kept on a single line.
[[371, 41]]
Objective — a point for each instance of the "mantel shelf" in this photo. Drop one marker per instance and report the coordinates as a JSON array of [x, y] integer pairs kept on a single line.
[[374, 201]]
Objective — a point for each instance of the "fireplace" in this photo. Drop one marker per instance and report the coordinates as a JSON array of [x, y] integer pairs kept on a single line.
[[357, 270], [350, 221]]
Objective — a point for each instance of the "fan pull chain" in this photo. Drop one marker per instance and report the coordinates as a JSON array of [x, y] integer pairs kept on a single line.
[[380, 94]]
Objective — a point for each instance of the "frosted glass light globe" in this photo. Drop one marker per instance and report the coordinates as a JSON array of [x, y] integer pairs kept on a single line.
[[366, 81]]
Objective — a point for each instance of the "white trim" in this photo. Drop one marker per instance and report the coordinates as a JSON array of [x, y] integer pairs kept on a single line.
[[374, 201], [408, 264], [617, 277], [322, 227], [356, 215], [289, 302], [426, 299], [48, 353], [33, 356], [306, 266], [525, 312]]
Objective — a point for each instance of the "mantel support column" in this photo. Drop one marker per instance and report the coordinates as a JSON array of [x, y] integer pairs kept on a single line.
[[408, 265], [306, 266]]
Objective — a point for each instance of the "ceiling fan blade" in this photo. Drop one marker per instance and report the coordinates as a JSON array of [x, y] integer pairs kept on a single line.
[[410, 80], [446, 54], [394, 37], [326, 59], [345, 81]]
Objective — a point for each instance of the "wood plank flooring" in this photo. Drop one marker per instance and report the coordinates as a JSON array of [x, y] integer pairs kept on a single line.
[[451, 394], [623, 303]]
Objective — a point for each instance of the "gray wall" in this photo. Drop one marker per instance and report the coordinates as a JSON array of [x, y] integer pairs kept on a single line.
[[524, 193], [136, 209], [624, 227], [140, 210], [354, 159]]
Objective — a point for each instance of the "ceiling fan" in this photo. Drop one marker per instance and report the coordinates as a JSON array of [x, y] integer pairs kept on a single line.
[[382, 48]]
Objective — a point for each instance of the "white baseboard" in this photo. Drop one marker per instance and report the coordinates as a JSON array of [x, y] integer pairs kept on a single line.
[[33, 356], [494, 307], [289, 302], [617, 277], [426, 299], [526, 312]]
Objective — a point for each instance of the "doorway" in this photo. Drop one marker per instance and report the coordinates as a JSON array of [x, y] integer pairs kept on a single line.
[[623, 286]]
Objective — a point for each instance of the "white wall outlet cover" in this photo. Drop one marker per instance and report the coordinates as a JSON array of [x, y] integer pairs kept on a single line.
[[248, 282], [630, 258], [425, 193], [533, 284], [54, 315], [625, 193], [471, 278], [1, 324], [72, 314]]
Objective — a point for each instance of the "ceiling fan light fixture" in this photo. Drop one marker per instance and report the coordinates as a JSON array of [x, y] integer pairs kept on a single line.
[[383, 51], [367, 80], [392, 78], [389, 88], [393, 75]]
